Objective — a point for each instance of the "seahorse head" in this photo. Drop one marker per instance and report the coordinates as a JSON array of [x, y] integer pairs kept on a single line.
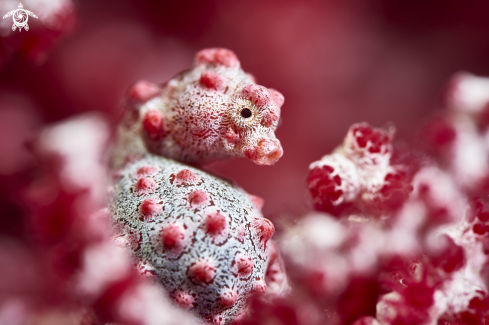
[[212, 111]]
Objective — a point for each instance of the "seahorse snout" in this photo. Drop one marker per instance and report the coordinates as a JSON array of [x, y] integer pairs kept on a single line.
[[266, 151]]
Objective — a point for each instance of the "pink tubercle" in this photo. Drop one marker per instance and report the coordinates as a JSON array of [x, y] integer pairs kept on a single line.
[[228, 298], [277, 97], [187, 177], [259, 287], [147, 274], [153, 124], [264, 228], [216, 320], [142, 91], [146, 171], [183, 299], [145, 185], [173, 236], [202, 271], [243, 265], [198, 198], [217, 56], [231, 136], [211, 80], [216, 224], [258, 95], [241, 233], [149, 208], [271, 116]]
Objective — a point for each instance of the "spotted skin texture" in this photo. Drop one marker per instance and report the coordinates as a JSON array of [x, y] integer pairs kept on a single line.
[[201, 237], [210, 112]]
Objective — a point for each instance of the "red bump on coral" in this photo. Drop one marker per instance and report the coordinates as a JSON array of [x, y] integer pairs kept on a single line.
[[277, 97], [265, 229], [145, 185], [228, 298], [216, 225], [270, 117], [259, 287], [198, 198], [142, 91], [231, 137], [153, 125], [243, 265], [217, 56], [211, 80], [149, 208], [173, 236], [275, 277], [241, 233], [202, 272], [183, 299], [258, 95], [187, 177], [146, 171]]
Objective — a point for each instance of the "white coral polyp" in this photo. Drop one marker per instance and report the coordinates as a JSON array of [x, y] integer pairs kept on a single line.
[[362, 157], [346, 170]]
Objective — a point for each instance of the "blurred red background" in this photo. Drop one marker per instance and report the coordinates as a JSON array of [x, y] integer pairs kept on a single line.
[[336, 62]]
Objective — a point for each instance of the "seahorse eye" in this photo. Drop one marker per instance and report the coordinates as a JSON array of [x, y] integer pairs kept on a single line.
[[246, 113]]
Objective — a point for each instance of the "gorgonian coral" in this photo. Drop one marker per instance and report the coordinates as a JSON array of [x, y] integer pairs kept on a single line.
[[402, 243], [395, 238]]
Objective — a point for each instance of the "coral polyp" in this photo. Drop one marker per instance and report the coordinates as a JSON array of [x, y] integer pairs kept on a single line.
[[358, 176]]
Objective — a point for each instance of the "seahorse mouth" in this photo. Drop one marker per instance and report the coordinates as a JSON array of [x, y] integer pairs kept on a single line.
[[265, 152]]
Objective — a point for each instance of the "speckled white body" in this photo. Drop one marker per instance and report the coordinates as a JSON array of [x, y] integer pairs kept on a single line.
[[171, 266]]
